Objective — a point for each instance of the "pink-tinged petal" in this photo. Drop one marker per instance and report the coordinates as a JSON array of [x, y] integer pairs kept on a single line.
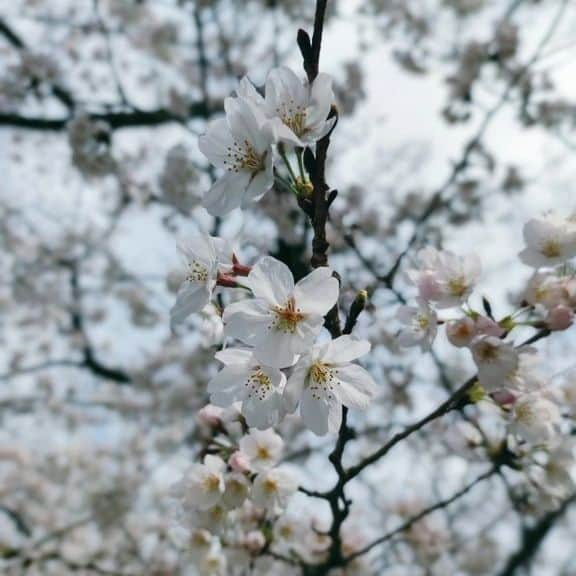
[[226, 194], [318, 292], [345, 349], [271, 280], [357, 388], [247, 320]]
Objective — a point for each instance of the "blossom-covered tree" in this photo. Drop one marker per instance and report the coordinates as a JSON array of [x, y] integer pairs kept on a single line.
[[326, 382]]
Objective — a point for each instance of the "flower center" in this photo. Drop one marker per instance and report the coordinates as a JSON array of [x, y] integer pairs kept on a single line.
[[457, 286], [487, 353], [197, 272], [212, 483], [322, 380], [263, 453], [270, 486], [296, 121], [259, 384], [551, 248], [287, 317], [244, 157], [525, 413], [422, 322]]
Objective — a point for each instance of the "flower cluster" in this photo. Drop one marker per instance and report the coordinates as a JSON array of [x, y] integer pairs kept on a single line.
[[277, 357], [507, 372], [248, 142], [248, 490]]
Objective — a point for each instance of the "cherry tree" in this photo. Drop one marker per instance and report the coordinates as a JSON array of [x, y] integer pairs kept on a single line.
[[321, 386]]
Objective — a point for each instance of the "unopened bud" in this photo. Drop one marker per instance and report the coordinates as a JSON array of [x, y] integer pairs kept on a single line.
[[304, 187]]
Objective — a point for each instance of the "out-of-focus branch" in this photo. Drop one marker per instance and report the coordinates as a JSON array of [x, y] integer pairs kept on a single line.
[[89, 360], [534, 537], [438, 199], [422, 514], [116, 120], [456, 401], [14, 39]]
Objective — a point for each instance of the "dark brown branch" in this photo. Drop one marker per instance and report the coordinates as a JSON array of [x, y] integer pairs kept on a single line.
[[89, 360], [16, 41], [116, 120]]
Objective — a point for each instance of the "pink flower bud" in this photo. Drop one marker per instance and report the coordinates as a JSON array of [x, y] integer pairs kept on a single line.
[[504, 397], [461, 332], [239, 462], [209, 416], [254, 541], [560, 318]]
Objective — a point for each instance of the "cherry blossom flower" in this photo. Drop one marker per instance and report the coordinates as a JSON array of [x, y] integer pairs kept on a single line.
[[550, 240], [298, 112], [212, 519], [263, 449], [213, 564], [200, 543], [203, 485], [283, 319], [548, 290], [445, 278], [420, 325], [535, 418], [461, 332], [203, 256], [243, 148], [243, 379], [324, 379], [496, 361], [271, 489], [237, 489]]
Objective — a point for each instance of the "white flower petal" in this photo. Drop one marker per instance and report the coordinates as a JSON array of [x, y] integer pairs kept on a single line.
[[345, 349], [235, 356], [191, 298], [318, 292], [215, 144], [295, 384], [259, 184], [243, 124], [357, 388], [320, 414], [271, 280], [226, 194], [247, 320], [276, 349]]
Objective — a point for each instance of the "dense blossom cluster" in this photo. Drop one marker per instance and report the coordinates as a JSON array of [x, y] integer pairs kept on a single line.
[[508, 372], [277, 358], [465, 460]]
